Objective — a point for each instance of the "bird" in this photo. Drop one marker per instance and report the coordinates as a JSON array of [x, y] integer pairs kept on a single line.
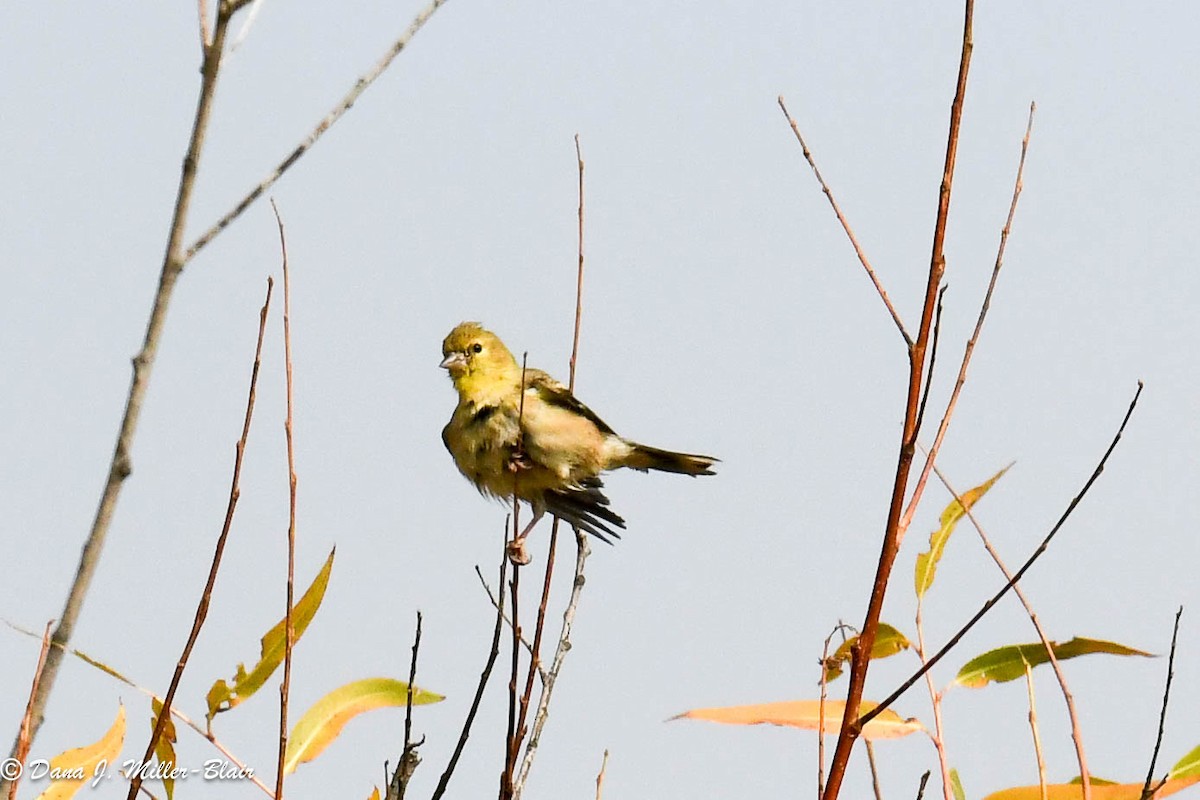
[[516, 431]]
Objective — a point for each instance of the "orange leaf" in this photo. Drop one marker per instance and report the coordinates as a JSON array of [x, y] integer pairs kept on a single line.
[[1074, 791], [807, 714]]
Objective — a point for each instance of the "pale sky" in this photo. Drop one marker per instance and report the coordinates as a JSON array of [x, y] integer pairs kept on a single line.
[[725, 313]]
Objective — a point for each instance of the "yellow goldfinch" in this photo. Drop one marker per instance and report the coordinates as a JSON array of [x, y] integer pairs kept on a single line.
[[553, 445]]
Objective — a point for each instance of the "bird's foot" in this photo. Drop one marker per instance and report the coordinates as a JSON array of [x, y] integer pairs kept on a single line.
[[519, 462], [517, 553]]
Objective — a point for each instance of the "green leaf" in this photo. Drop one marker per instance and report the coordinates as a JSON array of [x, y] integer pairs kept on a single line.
[[222, 696], [322, 723], [956, 786], [888, 642], [927, 562], [1186, 767], [1008, 663]]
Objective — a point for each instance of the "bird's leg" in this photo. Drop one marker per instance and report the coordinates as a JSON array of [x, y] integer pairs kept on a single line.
[[517, 553]]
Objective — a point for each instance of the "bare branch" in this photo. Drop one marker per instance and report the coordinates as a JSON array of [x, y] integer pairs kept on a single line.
[[122, 465], [862, 256], [969, 350], [1148, 790], [894, 530], [360, 85], [493, 654], [289, 623], [206, 597]]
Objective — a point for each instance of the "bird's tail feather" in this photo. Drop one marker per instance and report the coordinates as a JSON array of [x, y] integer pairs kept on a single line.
[[586, 508], [645, 458]]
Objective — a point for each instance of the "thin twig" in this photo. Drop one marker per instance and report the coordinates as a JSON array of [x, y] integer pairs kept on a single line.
[[578, 274], [1041, 548], [547, 680], [410, 759], [289, 624], [1033, 726], [935, 699], [535, 650], [841, 628], [921, 788], [933, 350], [496, 605], [1059, 674], [122, 465], [600, 776], [874, 770], [205, 26], [894, 530], [493, 654], [22, 750], [1147, 790], [514, 731], [251, 17], [206, 597], [360, 85], [564, 645], [862, 256], [931, 457]]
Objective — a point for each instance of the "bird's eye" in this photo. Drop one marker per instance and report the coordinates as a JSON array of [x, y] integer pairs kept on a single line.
[[477, 348]]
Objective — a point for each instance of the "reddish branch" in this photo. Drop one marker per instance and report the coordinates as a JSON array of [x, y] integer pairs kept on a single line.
[[860, 657]]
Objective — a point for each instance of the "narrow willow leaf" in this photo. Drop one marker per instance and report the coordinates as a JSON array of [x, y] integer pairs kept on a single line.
[[807, 714], [956, 786], [222, 696], [84, 763], [322, 723], [1186, 767], [164, 748], [1100, 791], [1008, 663], [927, 562], [888, 642]]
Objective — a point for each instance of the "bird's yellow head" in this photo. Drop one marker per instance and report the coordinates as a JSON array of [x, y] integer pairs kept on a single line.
[[475, 357]]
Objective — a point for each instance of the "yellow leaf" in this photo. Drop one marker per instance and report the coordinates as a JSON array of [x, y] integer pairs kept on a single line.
[[164, 748], [1073, 791], [222, 696], [927, 562], [74, 769], [807, 714], [374, 794], [888, 642], [322, 723]]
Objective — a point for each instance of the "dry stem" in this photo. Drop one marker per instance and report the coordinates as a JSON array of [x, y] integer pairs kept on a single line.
[[360, 86], [206, 597], [1148, 790], [289, 625], [121, 465], [858, 251], [22, 748], [493, 654], [860, 656], [535, 650], [1033, 726]]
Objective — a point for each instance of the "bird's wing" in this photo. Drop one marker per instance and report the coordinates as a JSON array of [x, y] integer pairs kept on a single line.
[[555, 394]]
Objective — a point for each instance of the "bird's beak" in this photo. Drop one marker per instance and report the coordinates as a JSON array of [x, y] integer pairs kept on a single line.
[[453, 360]]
